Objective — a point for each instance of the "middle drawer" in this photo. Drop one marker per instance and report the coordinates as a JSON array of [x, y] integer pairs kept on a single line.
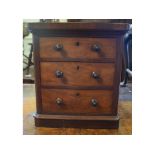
[[76, 74]]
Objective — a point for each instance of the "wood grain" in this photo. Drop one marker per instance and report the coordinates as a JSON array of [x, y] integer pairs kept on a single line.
[[80, 26], [37, 72], [76, 101], [77, 40], [29, 106], [77, 77], [83, 50]]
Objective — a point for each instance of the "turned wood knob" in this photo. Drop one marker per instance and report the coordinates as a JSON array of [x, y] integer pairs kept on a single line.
[[59, 74], [59, 101], [95, 48], [94, 102], [58, 47], [95, 75]]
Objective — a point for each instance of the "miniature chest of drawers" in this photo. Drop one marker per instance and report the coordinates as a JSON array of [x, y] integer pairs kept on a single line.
[[77, 73]]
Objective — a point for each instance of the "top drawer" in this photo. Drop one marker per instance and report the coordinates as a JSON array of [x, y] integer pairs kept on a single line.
[[77, 48]]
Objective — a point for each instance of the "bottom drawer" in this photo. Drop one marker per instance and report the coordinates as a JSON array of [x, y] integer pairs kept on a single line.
[[61, 101]]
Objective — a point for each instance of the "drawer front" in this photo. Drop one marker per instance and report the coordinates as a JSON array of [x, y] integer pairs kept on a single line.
[[77, 74], [77, 48], [60, 101]]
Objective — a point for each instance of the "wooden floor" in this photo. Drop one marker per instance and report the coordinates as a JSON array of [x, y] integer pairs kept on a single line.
[[125, 112]]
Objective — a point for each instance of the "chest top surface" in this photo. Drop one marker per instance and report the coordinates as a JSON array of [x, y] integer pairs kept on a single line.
[[78, 26]]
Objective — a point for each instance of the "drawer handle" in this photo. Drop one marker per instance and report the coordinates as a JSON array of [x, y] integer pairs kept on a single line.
[[59, 74], [58, 47], [95, 48], [95, 75], [94, 102], [59, 101]]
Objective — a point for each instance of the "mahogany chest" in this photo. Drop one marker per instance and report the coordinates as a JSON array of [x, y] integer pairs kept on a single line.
[[77, 73]]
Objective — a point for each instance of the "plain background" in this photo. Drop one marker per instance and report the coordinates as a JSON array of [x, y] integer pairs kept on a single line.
[[12, 14]]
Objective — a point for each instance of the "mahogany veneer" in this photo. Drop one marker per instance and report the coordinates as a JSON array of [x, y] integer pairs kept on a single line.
[[77, 48], [77, 73]]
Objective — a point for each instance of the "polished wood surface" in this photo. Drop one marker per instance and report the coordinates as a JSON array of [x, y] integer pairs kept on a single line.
[[29, 106], [77, 74], [80, 26], [77, 48], [77, 40], [76, 101]]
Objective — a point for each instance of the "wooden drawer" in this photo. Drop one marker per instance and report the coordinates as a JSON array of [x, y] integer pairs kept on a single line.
[[77, 74], [61, 101], [77, 48]]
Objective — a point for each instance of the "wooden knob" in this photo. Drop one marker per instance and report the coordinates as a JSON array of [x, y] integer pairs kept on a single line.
[[94, 102], [59, 101], [95, 47], [95, 75], [59, 74], [58, 47]]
